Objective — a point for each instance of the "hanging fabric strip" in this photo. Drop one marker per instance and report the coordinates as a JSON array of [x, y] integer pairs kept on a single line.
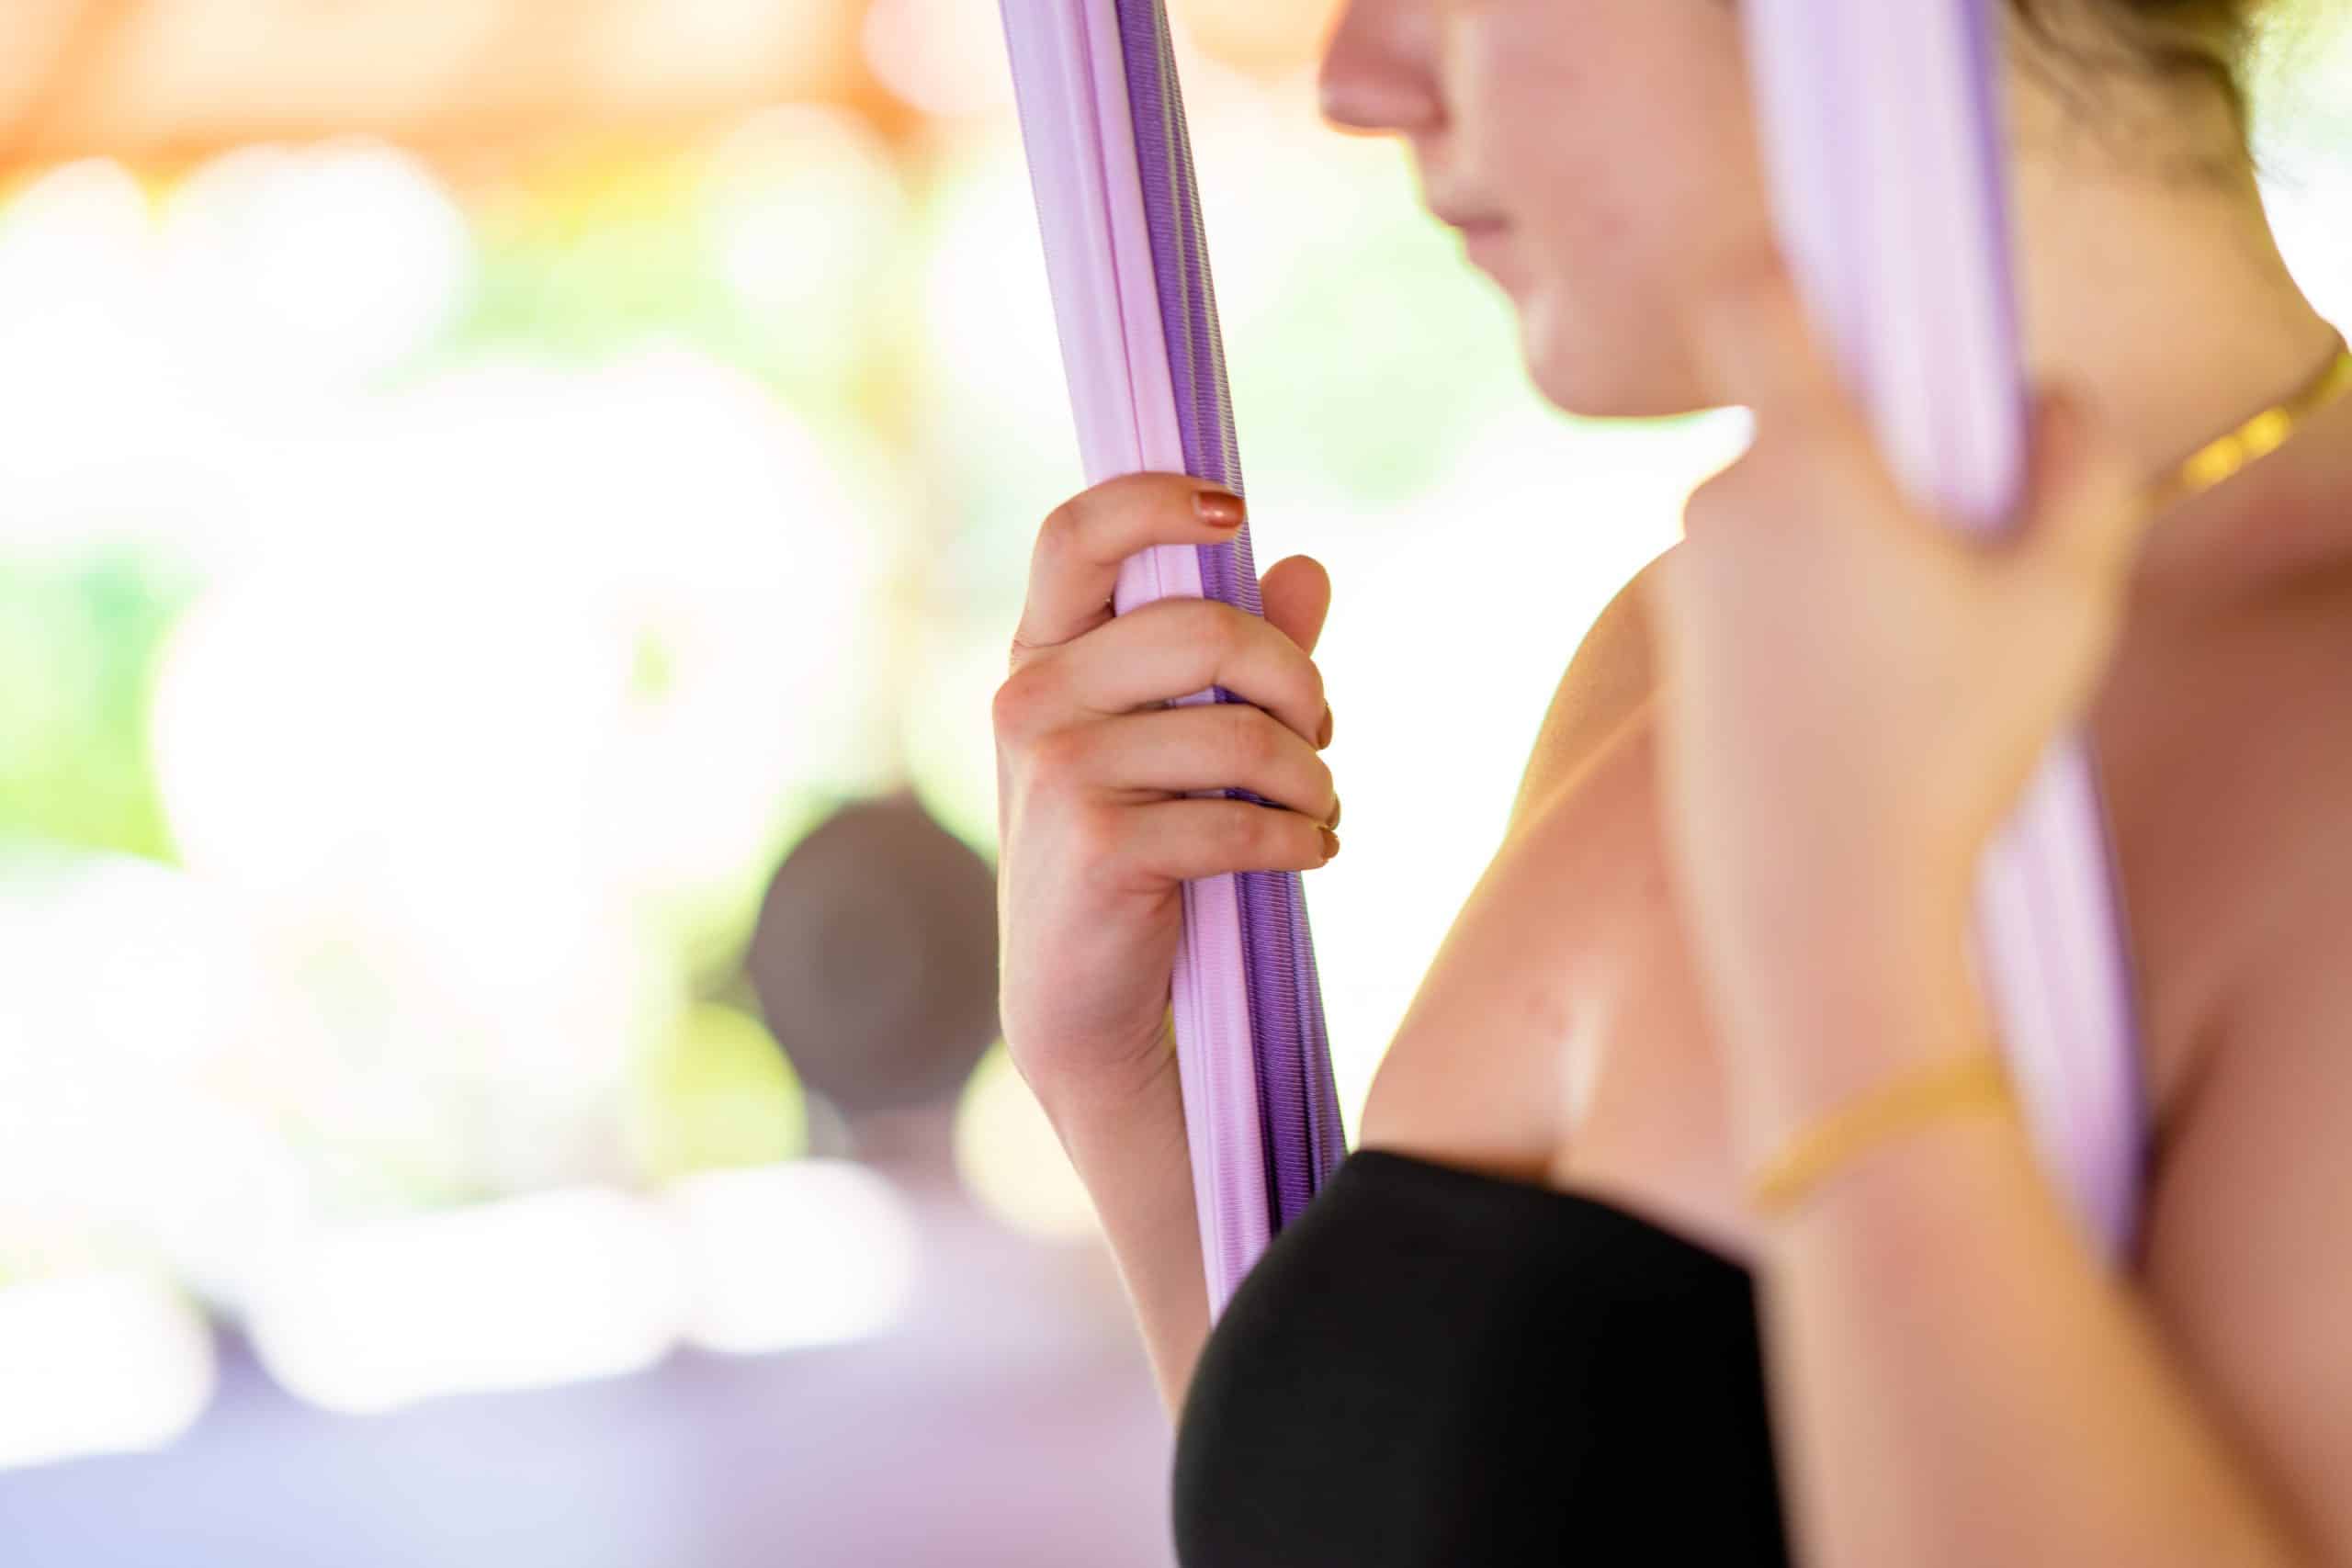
[[1884, 141], [1111, 165]]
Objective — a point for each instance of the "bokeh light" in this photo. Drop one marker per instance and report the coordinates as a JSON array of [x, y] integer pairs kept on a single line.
[[1007, 1151], [99, 1363], [320, 264], [716, 1093], [941, 56], [802, 206], [546, 1289], [817, 1252]]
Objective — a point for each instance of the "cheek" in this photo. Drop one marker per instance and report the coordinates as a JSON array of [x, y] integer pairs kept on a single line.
[[1638, 144], [1615, 134]]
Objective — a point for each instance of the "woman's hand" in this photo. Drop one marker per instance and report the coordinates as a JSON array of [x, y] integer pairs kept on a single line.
[[1095, 842], [1853, 697]]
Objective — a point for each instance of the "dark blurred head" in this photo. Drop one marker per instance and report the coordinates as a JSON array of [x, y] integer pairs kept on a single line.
[[874, 958]]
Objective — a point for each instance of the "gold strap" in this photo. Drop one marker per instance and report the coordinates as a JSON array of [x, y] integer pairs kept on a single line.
[[2257, 437], [1977, 1081]]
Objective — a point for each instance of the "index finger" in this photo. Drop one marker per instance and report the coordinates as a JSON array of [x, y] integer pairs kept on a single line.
[[1074, 569]]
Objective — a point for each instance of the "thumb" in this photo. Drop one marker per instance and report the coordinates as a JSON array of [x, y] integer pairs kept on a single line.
[[2087, 510], [1296, 592]]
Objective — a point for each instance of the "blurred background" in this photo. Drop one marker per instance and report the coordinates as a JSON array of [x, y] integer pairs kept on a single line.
[[511, 515]]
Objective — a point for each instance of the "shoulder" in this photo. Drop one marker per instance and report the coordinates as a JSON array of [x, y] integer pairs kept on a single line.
[[2249, 1230], [1607, 682], [2257, 816], [2225, 747], [2249, 1234]]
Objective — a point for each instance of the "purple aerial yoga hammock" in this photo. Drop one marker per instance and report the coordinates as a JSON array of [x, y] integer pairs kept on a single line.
[[1882, 138], [1129, 262]]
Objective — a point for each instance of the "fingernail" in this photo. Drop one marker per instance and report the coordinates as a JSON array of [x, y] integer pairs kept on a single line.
[[1336, 805], [1330, 845], [1323, 736], [1220, 509]]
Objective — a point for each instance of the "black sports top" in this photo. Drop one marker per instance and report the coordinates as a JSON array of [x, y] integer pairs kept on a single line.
[[1435, 1367]]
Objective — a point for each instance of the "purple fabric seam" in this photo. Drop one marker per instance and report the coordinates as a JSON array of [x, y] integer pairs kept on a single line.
[[1300, 1121]]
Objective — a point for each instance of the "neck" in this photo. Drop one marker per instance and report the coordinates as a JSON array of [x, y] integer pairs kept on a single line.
[[2166, 298]]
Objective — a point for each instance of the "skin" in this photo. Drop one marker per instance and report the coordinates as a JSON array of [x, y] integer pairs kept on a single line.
[[1601, 257], [1650, 990]]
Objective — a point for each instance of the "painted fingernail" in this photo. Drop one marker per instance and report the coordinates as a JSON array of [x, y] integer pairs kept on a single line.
[[1333, 820], [1220, 509], [1330, 845], [1323, 736]]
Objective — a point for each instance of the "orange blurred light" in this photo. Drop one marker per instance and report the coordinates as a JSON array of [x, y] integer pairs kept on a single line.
[[1265, 38], [945, 57]]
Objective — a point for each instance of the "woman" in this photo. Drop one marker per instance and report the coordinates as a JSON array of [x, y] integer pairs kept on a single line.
[[1729, 915]]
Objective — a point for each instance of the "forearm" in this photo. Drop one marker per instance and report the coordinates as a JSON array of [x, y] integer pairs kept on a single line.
[[1127, 1143], [1958, 1380]]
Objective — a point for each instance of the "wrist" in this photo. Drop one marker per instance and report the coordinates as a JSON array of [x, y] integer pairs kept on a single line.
[[1083, 1090], [1906, 1106], [1824, 1015]]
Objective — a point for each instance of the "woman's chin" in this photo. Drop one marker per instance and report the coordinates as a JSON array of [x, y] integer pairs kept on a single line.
[[1596, 372]]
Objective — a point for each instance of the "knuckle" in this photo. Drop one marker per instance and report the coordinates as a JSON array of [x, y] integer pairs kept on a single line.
[[1318, 691], [1014, 709], [1237, 830], [1262, 833], [1095, 834], [1006, 711], [1327, 783], [1062, 533], [1288, 837], [1059, 759], [1183, 616], [1096, 840], [1247, 738], [1006, 708], [1220, 626], [1202, 634]]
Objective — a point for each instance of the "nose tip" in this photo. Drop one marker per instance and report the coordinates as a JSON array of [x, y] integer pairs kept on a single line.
[[1371, 105], [1376, 74], [1336, 102]]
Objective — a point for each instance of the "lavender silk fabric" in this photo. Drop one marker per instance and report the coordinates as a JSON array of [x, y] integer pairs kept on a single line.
[[1880, 127], [1298, 1102]]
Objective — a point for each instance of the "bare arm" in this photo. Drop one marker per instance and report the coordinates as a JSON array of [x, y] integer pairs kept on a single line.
[[1854, 702], [1959, 1380], [1129, 1149]]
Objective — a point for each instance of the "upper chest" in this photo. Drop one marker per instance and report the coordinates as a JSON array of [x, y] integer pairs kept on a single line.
[[1557, 1034]]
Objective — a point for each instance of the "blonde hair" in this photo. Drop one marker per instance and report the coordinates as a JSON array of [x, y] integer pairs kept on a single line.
[[2174, 40]]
